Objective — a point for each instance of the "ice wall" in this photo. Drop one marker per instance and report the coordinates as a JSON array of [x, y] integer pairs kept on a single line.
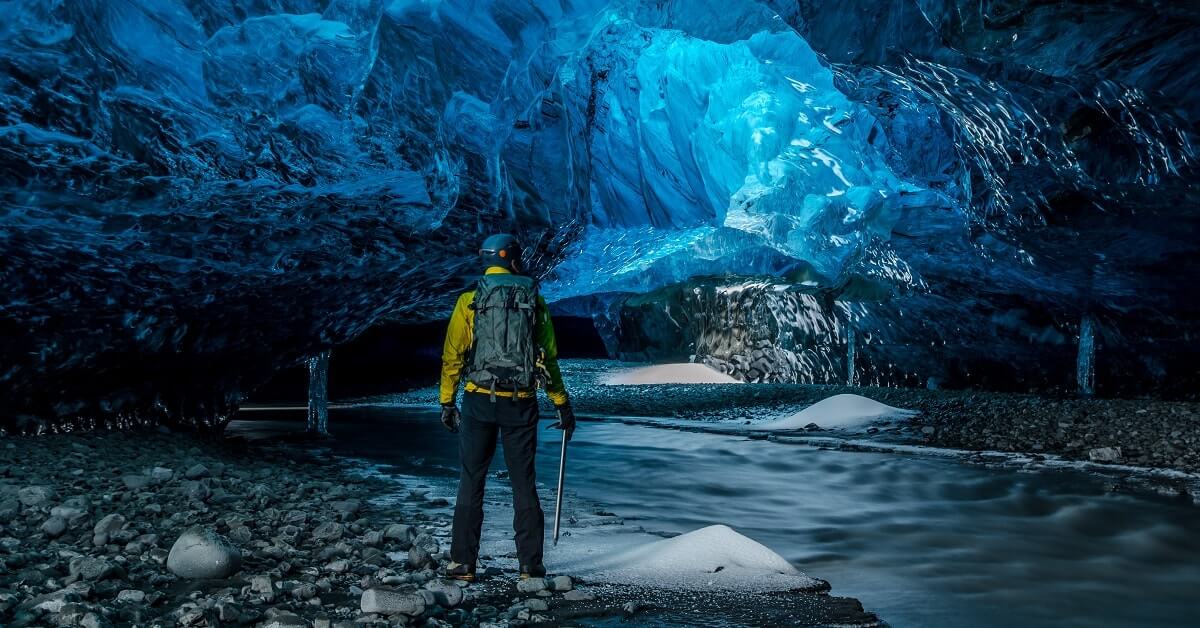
[[195, 193]]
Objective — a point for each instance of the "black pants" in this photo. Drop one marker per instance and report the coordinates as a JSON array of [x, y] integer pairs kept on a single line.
[[516, 423]]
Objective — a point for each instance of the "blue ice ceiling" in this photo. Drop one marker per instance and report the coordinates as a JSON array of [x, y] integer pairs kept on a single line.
[[196, 192]]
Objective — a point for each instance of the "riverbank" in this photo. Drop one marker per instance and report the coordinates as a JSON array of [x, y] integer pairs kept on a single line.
[[1146, 433], [89, 526]]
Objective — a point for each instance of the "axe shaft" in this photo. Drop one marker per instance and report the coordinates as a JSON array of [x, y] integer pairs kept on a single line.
[[562, 471]]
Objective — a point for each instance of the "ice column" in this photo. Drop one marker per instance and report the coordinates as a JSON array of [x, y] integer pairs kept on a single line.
[[318, 393], [851, 376], [1085, 364]]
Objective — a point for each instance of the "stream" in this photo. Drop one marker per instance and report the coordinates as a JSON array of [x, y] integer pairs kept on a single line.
[[920, 540]]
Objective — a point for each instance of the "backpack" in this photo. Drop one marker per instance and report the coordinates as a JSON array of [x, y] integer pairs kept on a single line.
[[504, 354]]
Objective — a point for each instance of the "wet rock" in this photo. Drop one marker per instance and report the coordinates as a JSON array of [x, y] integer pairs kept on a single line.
[[54, 527], [1105, 454], [561, 583], [537, 604], [202, 553], [577, 595], [389, 602]]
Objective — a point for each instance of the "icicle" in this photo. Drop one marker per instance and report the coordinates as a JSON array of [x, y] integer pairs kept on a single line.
[[1085, 366], [851, 375], [318, 393]]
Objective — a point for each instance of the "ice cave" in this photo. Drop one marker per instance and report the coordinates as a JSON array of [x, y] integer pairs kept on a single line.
[[904, 289]]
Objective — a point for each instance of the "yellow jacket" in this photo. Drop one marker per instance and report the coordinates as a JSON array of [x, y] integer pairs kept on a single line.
[[458, 343]]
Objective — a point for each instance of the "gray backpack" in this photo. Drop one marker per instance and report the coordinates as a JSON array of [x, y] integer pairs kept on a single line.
[[504, 354]]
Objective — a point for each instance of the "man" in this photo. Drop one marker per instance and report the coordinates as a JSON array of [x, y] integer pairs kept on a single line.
[[501, 340]]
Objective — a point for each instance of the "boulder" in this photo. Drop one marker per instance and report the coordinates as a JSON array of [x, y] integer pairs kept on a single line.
[[202, 553], [389, 602]]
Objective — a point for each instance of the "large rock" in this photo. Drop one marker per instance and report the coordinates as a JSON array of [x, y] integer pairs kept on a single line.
[[202, 553], [389, 602]]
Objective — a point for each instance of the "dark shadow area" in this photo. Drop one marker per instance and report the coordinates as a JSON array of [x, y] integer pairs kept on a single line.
[[394, 357]]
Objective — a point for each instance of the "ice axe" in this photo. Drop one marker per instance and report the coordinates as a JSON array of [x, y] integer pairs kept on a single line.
[[562, 472]]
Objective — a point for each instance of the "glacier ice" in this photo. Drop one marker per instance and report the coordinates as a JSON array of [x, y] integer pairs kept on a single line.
[[194, 193]]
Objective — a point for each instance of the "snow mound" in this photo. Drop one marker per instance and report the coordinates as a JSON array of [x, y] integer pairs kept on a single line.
[[684, 373], [838, 412], [715, 557]]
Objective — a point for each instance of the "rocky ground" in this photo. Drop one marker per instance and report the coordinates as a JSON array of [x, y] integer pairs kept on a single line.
[[152, 528], [1148, 433]]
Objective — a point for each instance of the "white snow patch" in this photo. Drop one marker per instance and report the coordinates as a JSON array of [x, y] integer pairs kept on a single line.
[[684, 373], [838, 412], [711, 558]]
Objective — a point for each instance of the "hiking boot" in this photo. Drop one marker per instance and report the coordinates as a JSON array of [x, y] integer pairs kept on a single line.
[[532, 571], [459, 571]]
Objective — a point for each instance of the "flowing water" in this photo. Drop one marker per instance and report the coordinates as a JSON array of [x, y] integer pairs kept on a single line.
[[922, 541]]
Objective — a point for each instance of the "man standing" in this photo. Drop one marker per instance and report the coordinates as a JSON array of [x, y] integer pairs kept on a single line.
[[501, 340]]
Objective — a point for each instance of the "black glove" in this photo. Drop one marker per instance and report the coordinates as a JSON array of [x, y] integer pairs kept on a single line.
[[450, 417], [566, 419]]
